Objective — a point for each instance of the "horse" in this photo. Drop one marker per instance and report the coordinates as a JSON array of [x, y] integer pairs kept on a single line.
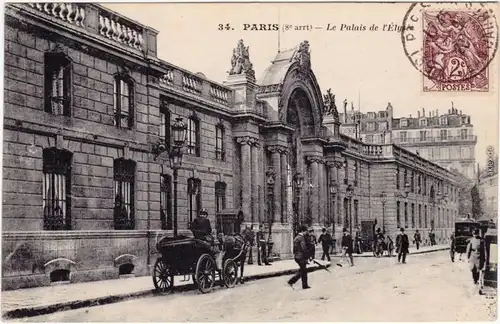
[[235, 247]]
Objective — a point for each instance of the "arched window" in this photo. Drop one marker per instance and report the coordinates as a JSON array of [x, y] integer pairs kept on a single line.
[[220, 196], [165, 121], [220, 153], [356, 170], [194, 198], [58, 84], [56, 195], [123, 101], [193, 135], [166, 202], [124, 175]]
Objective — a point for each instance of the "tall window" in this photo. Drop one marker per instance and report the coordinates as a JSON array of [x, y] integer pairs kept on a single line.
[[443, 134], [403, 136], [194, 198], [165, 121], [406, 215], [412, 184], [463, 134], [423, 136], [439, 218], [425, 216], [193, 136], [419, 215], [405, 178], [56, 195], [58, 84], [123, 101], [220, 196], [398, 214], [346, 171], [419, 184], [356, 170], [412, 215], [346, 212], [356, 213], [124, 174], [397, 177], [166, 202], [220, 153]]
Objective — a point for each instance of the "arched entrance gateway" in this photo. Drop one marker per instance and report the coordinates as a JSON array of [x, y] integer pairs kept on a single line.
[[299, 146]]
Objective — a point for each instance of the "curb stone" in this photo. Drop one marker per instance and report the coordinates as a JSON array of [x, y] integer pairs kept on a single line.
[[77, 304]]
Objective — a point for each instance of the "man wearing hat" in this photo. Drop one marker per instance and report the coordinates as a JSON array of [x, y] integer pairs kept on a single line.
[[201, 227], [326, 241], [347, 248], [402, 245], [312, 243], [301, 255], [476, 253]]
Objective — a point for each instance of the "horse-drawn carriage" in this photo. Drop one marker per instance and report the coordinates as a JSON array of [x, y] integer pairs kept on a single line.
[[205, 262]]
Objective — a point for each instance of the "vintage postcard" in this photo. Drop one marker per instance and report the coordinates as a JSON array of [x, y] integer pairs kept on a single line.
[[237, 162]]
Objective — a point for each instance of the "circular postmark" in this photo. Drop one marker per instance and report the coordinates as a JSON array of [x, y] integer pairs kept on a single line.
[[451, 42]]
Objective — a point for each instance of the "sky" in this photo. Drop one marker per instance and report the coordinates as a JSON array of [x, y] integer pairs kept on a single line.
[[368, 68]]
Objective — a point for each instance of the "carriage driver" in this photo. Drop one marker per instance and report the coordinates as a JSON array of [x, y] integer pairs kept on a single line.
[[201, 227]]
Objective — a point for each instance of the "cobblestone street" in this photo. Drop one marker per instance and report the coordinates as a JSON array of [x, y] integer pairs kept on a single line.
[[428, 288]]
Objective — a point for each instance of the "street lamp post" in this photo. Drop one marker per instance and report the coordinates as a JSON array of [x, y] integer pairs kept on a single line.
[[270, 180], [349, 192], [175, 157], [298, 179], [383, 199], [333, 194]]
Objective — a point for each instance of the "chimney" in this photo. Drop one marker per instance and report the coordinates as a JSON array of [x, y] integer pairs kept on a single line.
[[423, 112], [418, 114], [430, 113], [437, 112], [410, 115], [449, 111], [460, 112]]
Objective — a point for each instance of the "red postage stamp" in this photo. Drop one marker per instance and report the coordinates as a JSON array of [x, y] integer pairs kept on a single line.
[[454, 49], [455, 52]]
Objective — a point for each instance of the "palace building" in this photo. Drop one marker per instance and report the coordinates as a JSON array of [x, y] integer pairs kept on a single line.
[[88, 188]]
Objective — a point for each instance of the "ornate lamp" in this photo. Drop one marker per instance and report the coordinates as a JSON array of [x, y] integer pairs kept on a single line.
[[175, 158], [179, 130], [383, 199]]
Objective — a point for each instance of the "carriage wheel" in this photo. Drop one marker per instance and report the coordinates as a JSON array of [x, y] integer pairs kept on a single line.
[[205, 273], [230, 273], [163, 279]]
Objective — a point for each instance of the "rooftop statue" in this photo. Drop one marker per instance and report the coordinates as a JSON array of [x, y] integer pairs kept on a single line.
[[303, 57], [330, 108], [240, 62]]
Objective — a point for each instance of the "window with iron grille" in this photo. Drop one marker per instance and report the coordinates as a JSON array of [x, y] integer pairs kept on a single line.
[[419, 184], [419, 215], [193, 136], [220, 153], [405, 178], [356, 170], [406, 215], [58, 84], [356, 214], [124, 171], [220, 196], [166, 202], [398, 214], [165, 121], [194, 198], [123, 101], [412, 215], [346, 171], [56, 195], [412, 184], [346, 212]]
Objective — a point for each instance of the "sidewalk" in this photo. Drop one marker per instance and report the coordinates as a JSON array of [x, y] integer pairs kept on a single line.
[[412, 249], [44, 300]]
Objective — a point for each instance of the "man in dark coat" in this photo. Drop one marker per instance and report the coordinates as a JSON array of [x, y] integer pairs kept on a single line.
[[476, 254], [402, 245], [201, 227], [301, 255], [262, 247], [312, 243], [346, 245], [326, 241], [452, 246], [417, 239]]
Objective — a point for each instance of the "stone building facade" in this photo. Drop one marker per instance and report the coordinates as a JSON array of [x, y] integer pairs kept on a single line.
[[87, 194]]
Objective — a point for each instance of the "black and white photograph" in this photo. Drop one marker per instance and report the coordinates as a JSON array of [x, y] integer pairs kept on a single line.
[[250, 162]]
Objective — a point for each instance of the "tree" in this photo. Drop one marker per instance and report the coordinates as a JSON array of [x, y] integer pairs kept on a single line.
[[476, 203], [465, 186]]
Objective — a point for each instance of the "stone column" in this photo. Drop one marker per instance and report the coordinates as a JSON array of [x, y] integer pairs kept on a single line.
[[255, 183], [323, 203], [284, 185], [315, 189], [276, 157], [246, 176]]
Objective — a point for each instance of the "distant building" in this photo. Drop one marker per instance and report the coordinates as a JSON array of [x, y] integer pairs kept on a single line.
[[446, 139], [488, 187]]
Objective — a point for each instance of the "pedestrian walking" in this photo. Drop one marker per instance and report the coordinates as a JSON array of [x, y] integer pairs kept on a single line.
[[452, 246], [262, 247], [357, 241], [326, 241], [301, 255], [402, 245], [346, 245], [417, 239], [476, 253], [312, 243]]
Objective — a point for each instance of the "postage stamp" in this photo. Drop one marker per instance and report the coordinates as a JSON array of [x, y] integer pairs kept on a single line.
[[451, 46]]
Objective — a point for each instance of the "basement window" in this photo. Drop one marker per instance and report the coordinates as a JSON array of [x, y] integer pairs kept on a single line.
[[126, 269], [59, 275]]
